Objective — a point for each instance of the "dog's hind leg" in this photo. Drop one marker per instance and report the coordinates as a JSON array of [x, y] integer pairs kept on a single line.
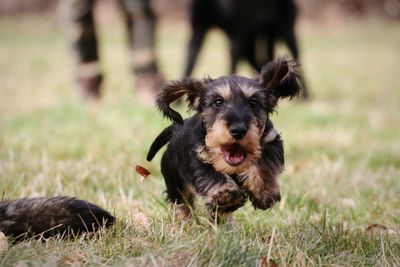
[[271, 39], [290, 39], [178, 194], [250, 53], [236, 49], [194, 48], [200, 23]]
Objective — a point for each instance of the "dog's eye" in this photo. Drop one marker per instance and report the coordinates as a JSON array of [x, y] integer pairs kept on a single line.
[[253, 103], [218, 103]]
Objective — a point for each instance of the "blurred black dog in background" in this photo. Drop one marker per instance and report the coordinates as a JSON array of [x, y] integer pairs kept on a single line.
[[252, 26]]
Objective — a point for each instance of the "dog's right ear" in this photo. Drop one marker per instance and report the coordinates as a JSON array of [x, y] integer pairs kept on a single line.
[[174, 90]]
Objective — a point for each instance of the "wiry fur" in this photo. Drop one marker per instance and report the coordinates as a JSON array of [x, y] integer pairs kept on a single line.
[[50, 216], [228, 151], [174, 90]]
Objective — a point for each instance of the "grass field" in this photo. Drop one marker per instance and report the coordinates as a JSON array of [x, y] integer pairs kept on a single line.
[[342, 152]]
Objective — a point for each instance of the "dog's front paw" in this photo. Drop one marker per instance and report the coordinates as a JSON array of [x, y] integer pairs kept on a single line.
[[229, 201], [227, 198], [264, 200], [262, 186]]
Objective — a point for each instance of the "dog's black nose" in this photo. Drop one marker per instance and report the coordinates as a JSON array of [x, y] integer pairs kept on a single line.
[[238, 131]]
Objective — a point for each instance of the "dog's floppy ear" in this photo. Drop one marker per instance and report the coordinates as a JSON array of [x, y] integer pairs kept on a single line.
[[281, 78], [174, 90]]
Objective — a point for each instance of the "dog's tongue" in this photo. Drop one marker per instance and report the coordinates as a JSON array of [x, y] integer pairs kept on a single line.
[[233, 154]]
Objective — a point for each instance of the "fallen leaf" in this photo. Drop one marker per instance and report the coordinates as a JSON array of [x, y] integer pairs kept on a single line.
[[376, 229], [143, 172], [3, 242], [263, 262]]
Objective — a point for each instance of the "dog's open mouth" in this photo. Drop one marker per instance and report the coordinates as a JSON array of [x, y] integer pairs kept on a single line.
[[234, 154]]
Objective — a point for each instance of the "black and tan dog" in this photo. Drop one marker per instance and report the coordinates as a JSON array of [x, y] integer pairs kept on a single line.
[[229, 150]]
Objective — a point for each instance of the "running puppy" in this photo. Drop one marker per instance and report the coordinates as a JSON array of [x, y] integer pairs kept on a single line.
[[47, 217], [229, 150]]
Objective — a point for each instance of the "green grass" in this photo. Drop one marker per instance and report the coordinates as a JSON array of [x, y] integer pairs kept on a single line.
[[342, 152]]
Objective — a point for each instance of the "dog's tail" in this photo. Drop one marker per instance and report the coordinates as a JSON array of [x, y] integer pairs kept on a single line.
[[47, 217], [161, 140]]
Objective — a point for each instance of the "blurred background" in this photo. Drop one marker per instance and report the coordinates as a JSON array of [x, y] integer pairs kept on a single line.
[[178, 8], [342, 144]]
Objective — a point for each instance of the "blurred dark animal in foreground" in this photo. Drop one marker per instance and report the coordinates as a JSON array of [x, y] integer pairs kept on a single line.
[[228, 150], [45, 217], [253, 28]]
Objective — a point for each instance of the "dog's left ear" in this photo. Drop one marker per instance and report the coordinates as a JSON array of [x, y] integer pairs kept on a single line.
[[281, 78], [172, 91]]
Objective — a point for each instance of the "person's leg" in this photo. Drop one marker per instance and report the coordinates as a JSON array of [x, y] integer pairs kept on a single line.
[[141, 26], [82, 35]]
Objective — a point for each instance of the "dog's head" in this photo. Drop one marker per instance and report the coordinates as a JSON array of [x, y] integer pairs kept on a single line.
[[234, 110]]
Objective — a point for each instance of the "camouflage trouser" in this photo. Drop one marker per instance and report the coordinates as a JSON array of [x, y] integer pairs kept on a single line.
[[140, 22]]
